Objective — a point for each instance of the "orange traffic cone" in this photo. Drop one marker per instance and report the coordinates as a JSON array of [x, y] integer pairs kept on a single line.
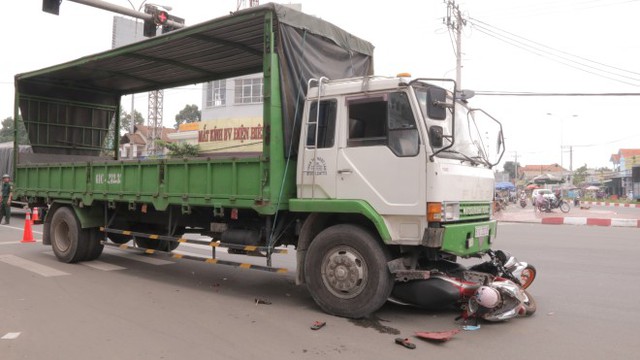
[[27, 236], [36, 218]]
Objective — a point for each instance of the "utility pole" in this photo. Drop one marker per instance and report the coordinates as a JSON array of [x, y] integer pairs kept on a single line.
[[455, 22]]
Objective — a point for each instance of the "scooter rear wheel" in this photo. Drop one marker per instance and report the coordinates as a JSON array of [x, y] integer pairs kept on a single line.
[[530, 305]]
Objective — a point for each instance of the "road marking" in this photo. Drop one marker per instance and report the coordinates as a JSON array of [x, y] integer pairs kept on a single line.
[[100, 265], [21, 229], [17, 242], [141, 258], [10, 336], [31, 266]]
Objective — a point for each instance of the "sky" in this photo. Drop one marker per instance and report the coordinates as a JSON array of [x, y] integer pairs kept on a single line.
[[525, 46]]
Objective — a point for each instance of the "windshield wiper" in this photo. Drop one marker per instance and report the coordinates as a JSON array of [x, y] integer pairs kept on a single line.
[[473, 160]]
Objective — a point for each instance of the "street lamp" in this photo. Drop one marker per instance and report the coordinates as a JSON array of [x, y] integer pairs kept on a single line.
[[562, 142]]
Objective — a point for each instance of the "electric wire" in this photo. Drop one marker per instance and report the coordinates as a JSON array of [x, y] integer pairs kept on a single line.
[[564, 60], [551, 48]]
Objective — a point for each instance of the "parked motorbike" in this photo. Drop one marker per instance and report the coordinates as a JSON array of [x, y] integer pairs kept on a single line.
[[493, 290]]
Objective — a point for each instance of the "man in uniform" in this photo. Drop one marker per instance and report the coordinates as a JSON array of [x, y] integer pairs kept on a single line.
[[5, 198]]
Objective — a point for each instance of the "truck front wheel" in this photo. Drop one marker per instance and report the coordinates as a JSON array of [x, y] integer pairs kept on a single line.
[[346, 271], [68, 240]]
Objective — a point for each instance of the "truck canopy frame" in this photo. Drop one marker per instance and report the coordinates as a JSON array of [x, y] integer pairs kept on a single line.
[[67, 108]]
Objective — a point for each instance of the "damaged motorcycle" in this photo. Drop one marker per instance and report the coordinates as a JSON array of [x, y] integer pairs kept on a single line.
[[493, 290]]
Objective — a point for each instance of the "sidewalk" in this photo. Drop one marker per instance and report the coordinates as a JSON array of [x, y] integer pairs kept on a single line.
[[597, 215]]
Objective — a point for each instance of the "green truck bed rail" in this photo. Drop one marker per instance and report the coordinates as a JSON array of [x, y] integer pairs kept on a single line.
[[233, 182]]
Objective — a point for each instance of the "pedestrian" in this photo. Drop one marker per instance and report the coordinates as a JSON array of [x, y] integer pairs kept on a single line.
[[5, 199]]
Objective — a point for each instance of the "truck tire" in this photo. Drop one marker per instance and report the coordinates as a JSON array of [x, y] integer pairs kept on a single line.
[[160, 245], [94, 244], [119, 238], [68, 240], [346, 271]]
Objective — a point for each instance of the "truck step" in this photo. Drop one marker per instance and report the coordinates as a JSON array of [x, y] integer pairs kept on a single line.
[[174, 255], [213, 244]]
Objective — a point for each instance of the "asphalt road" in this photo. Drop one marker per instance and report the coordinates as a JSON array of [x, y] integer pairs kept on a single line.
[[133, 307]]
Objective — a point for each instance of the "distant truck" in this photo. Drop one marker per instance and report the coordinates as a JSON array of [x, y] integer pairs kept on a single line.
[[374, 180]]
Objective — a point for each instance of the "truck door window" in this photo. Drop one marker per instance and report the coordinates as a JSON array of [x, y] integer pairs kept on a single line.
[[324, 121], [384, 120]]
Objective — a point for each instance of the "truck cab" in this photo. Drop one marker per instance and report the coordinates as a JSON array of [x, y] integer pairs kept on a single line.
[[415, 160]]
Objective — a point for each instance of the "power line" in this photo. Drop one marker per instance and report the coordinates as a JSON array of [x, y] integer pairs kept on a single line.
[[554, 49], [564, 59]]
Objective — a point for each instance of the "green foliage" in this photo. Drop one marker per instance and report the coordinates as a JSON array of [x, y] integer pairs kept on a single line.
[[580, 174], [6, 132], [179, 150], [125, 121], [510, 167], [189, 114]]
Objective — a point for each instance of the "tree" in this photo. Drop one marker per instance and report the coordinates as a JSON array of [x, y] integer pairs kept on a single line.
[[189, 114], [510, 167], [579, 175], [179, 150], [125, 127], [6, 132], [125, 121]]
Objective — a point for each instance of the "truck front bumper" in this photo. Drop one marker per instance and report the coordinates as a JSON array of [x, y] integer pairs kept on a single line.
[[463, 240]]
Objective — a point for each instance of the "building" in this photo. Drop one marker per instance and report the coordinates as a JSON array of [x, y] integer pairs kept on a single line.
[[620, 183], [528, 172], [139, 145], [237, 97]]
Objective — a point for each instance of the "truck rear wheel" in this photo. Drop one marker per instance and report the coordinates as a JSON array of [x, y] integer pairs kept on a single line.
[[68, 240], [94, 244], [346, 271]]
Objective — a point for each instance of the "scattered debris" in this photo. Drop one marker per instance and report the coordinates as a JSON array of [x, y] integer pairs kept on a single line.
[[317, 325], [437, 335], [10, 336], [263, 301], [406, 343], [470, 327]]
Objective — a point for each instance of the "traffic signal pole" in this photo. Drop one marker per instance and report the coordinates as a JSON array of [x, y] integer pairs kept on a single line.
[[125, 11]]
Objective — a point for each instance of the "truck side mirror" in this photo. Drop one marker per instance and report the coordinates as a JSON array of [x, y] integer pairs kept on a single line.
[[437, 103], [435, 136]]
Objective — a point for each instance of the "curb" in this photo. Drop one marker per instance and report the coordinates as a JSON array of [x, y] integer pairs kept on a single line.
[[599, 203], [591, 221]]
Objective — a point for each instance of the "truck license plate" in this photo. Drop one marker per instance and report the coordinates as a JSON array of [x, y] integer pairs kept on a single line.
[[482, 231]]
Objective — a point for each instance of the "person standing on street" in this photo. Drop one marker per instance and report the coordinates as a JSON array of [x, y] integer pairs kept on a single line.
[[5, 199]]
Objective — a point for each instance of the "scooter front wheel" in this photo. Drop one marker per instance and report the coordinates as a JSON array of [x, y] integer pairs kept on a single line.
[[527, 276], [564, 207]]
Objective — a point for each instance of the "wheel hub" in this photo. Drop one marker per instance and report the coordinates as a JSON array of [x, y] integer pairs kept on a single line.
[[344, 273]]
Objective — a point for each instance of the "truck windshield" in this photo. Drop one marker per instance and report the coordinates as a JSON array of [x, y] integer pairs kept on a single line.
[[476, 138]]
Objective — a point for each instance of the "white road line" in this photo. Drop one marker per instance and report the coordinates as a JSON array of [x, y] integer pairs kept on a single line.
[[31, 266], [17, 242], [141, 258], [10, 336], [100, 265], [21, 229]]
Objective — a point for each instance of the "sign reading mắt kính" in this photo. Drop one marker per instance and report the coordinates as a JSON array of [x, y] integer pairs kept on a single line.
[[230, 135]]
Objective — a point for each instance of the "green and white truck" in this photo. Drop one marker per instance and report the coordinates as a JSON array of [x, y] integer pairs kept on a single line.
[[372, 179]]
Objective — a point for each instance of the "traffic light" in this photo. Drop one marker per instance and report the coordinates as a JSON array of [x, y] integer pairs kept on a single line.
[[168, 28], [51, 6], [158, 17]]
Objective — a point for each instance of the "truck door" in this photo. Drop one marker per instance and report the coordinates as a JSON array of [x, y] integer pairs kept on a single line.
[[317, 158], [381, 161]]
